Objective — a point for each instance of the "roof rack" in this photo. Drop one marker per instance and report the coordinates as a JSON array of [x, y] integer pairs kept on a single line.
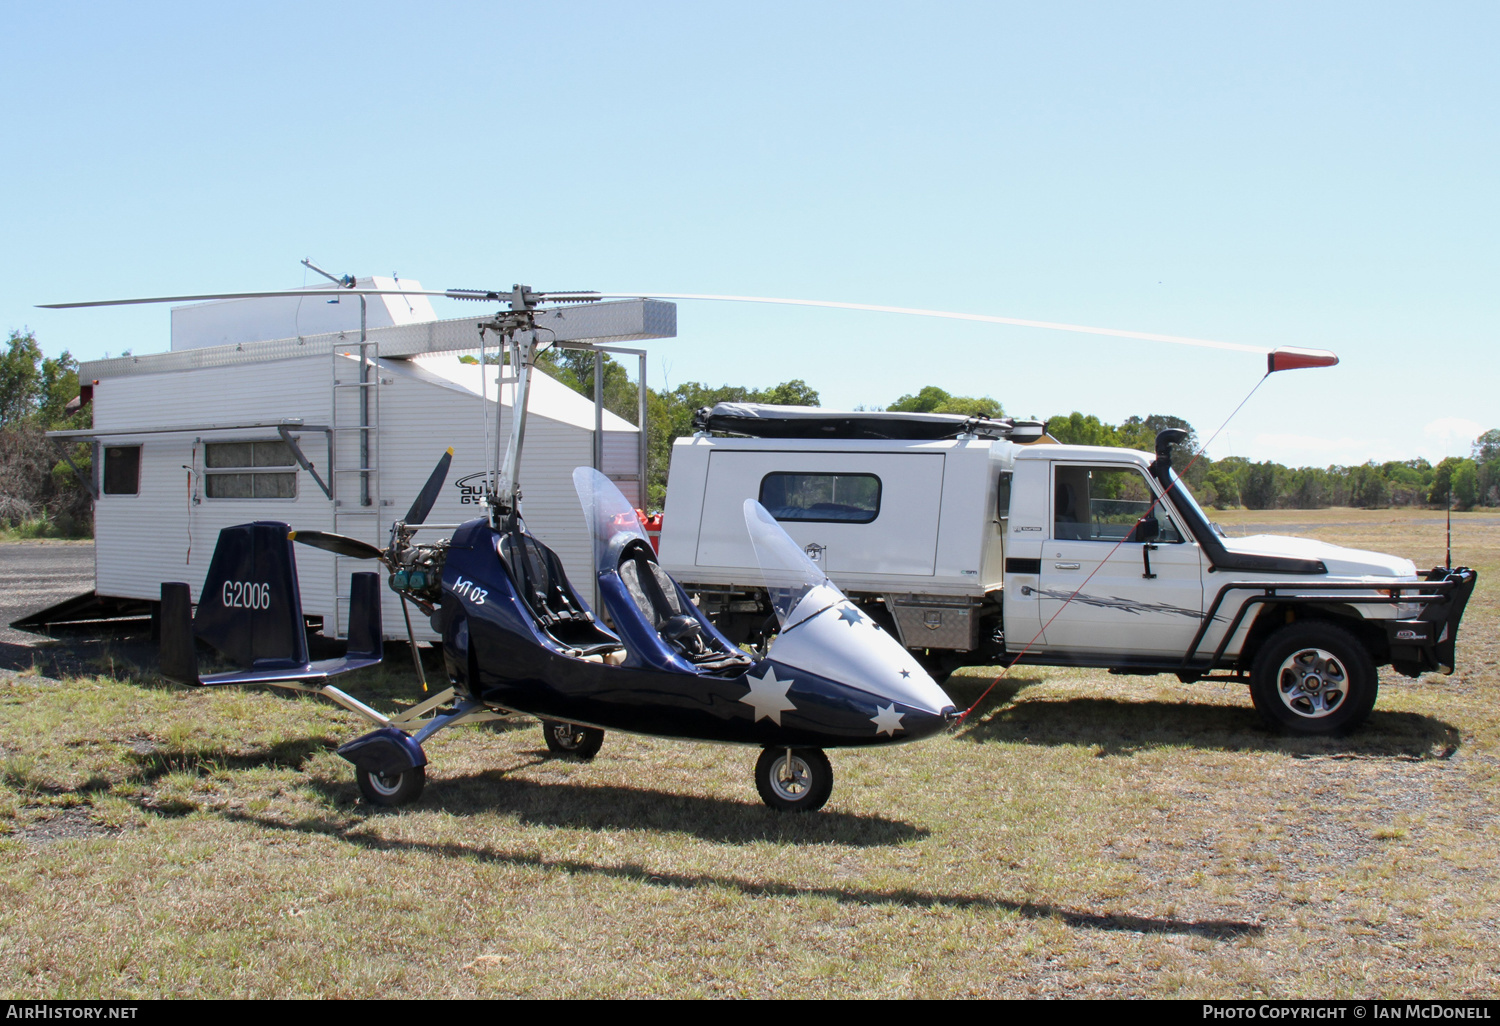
[[759, 420]]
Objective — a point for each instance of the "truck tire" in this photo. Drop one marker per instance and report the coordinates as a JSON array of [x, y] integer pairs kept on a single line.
[[1313, 677]]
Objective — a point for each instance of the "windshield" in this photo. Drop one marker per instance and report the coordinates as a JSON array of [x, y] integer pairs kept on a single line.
[[611, 518], [1184, 500], [790, 577]]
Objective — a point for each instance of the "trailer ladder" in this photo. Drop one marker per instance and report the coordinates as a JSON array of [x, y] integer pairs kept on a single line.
[[358, 509]]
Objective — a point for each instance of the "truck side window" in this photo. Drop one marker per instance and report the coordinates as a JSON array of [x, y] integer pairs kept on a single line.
[[1105, 504], [1002, 495], [838, 498]]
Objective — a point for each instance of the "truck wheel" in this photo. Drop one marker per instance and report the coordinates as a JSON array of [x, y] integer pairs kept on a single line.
[[390, 788], [1313, 678], [794, 779], [572, 740]]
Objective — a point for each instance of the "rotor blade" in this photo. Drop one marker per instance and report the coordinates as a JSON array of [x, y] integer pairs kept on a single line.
[[498, 296], [336, 543], [429, 493], [297, 293], [950, 315]]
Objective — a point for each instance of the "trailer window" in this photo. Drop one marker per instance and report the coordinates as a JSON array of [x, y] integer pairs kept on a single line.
[[838, 498], [249, 470], [122, 470]]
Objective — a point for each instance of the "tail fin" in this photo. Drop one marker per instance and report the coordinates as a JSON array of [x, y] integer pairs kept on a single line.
[[250, 608], [251, 611]]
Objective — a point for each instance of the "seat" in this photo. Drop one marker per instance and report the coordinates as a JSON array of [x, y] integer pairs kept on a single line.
[[1065, 514], [659, 601], [544, 588]]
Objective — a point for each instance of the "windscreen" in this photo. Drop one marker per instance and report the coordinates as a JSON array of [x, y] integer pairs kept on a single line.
[[1184, 498], [789, 575], [611, 518]]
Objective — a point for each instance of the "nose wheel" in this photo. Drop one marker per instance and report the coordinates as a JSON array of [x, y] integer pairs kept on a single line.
[[794, 779]]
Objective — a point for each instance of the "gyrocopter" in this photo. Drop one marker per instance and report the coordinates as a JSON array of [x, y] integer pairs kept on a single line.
[[517, 637]]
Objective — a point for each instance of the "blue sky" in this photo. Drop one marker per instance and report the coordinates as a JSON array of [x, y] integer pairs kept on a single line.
[[1319, 175]]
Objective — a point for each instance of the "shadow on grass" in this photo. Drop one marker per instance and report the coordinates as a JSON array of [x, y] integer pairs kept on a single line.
[[293, 754], [579, 806], [966, 690], [125, 654], [1124, 728], [152, 765], [1217, 929]]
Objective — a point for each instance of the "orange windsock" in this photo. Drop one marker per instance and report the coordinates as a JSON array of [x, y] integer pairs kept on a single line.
[[1293, 358]]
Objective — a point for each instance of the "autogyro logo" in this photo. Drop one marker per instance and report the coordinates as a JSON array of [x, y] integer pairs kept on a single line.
[[470, 489]]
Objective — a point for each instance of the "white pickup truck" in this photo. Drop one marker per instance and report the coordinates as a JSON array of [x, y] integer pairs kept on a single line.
[[976, 541]]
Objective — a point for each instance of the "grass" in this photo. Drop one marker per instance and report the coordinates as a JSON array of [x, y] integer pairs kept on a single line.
[[44, 527], [1084, 835]]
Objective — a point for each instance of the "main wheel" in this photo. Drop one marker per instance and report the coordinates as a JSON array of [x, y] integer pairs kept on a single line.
[[795, 779], [390, 788], [1313, 678], [572, 740]]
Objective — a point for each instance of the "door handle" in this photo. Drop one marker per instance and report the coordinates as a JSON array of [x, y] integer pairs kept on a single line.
[[1065, 566]]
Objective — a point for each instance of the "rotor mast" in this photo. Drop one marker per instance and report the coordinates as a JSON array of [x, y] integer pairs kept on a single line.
[[517, 331]]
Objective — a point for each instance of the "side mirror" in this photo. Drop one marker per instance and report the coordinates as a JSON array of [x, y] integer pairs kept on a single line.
[[1147, 529]]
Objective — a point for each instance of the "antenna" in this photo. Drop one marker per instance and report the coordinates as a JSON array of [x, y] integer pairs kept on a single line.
[[1449, 554]]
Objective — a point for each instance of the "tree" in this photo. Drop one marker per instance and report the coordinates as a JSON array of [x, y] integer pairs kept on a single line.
[[34, 393], [790, 393], [669, 416], [1442, 480], [20, 378], [1077, 429], [1486, 446], [1261, 485], [1368, 487], [1221, 487], [1465, 485], [1141, 432], [1308, 488], [1486, 454], [935, 400]]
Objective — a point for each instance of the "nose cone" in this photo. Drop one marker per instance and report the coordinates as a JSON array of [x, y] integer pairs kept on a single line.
[[843, 644]]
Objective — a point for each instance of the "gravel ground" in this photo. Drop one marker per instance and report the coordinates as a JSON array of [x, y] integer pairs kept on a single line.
[[37, 574]]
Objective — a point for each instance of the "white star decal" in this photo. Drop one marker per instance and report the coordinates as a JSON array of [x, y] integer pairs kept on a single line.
[[887, 720], [768, 696]]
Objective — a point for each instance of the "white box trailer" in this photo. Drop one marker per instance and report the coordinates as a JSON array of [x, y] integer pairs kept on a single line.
[[201, 438]]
